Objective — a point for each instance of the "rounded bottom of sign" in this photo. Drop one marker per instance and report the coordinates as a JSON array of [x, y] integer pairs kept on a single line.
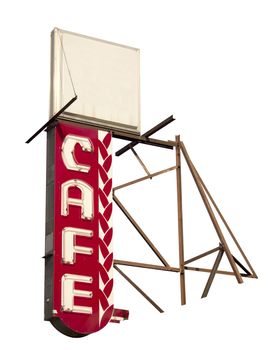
[[60, 326]]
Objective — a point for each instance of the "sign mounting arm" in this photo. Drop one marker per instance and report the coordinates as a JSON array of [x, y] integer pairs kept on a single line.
[[147, 134], [51, 120]]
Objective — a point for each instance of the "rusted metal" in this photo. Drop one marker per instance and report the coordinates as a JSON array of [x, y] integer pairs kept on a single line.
[[180, 221], [141, 162], [221, 272], [144, 178], [202, 255], [243, 267], [142, 139], [140, 231], [146, 266], [211, 214], [138, 288], [213, 273], [209, 204], [226, 225], [174, 269], [146, 135]]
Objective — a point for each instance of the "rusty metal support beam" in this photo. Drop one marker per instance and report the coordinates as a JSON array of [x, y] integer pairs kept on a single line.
[[180, 221], [211, 214], [243, 267], [146, 266], [141, 162], [221, 272], [226, 225], [140, 231], [142, 139], [150, 132], [202, 255], [144, 178], [138, 288], [174, 269], [213, 273]]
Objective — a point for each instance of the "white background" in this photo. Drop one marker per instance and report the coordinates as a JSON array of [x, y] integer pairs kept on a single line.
[[206, 63]]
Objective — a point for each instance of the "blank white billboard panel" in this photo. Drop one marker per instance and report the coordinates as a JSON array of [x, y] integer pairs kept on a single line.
[[105, 76]]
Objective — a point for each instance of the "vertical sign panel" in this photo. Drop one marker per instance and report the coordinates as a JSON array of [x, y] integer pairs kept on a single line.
[[79, 260]]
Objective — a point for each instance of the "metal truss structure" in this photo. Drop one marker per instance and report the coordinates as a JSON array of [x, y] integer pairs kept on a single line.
[[210, 205]]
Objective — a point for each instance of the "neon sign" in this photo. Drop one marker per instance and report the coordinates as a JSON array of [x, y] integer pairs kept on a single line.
[[79, 259]]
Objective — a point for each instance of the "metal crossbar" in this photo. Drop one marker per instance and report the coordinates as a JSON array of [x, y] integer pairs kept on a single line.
[[208, 202]]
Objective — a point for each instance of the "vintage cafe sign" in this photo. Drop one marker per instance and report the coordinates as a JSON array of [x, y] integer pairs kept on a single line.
[[79, 259]]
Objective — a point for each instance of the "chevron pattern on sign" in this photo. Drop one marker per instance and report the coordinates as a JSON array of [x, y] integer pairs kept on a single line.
[[105, 229]]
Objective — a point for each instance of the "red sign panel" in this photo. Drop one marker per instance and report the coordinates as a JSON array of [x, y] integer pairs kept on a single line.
[[79, 259]]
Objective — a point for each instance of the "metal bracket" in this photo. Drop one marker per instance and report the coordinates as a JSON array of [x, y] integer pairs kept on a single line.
[[145, 135], [52, 120]]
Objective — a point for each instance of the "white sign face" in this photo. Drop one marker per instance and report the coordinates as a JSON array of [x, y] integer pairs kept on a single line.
[[105, 77]]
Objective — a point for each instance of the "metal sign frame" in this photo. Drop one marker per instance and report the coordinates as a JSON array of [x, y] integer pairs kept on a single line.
[[209, 203]]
